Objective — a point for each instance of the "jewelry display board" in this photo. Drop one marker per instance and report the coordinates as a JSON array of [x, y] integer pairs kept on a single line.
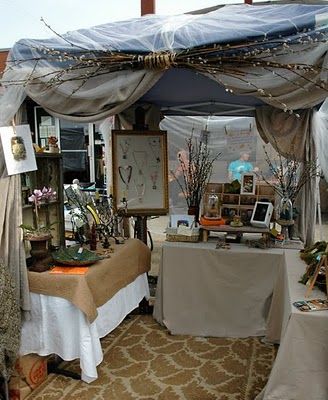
[[140, 171]]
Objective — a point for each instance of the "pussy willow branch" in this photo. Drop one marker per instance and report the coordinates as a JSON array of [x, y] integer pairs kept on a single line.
[[197, 173], [290, 180]]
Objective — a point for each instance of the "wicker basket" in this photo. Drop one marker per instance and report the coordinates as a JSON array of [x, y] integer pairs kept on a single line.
[[173, 236]]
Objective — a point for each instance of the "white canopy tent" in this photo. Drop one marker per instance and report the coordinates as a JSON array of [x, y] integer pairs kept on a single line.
[[268, 61]]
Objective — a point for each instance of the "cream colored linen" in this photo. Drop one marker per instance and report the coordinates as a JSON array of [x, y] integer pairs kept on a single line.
[[301, 367], [205, 291]]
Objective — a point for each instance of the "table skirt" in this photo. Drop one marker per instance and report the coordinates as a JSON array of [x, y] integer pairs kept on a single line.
[[58, 327]]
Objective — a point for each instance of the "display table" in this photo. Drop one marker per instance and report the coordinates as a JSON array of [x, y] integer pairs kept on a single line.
[[100, 283], [205, 291], [300, 371], [73, 312]]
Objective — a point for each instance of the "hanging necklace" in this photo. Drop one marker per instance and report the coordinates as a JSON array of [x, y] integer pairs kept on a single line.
[[154, 177], [140, 160], [154, 144], [125, 145], [140, 187], [125, 173]]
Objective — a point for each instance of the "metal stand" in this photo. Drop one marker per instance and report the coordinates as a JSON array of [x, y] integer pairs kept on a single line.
[[141, 228]]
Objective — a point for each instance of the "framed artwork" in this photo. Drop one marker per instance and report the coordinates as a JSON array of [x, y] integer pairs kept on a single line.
[[177, 220], [45, 126], [262, 213], [18, 149], [248, 183], [140, 175]]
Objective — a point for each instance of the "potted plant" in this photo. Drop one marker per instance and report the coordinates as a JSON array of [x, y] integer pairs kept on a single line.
[[52, 144], [39, 234]]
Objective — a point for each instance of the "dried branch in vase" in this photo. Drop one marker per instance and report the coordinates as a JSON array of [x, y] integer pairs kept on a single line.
[[196, 164], [288, 175]]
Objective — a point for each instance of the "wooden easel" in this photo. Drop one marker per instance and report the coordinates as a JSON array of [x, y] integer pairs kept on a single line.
[[322, 262]]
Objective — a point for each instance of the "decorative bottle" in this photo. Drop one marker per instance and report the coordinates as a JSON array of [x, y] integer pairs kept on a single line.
[[286, 209]]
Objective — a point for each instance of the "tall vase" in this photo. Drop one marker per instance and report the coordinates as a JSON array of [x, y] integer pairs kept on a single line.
[[285, 213], [194, 210], [286, 209]]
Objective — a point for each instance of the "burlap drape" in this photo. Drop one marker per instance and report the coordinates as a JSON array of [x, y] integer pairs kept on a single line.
[[12, 251], [292, 136]]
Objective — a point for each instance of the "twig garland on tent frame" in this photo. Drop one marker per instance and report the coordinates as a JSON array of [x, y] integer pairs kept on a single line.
[[237, 60]]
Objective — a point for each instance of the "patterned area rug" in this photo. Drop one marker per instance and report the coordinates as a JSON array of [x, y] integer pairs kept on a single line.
[[143, 361]]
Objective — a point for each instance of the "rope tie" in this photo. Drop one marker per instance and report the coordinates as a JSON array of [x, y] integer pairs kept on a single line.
[[157, 60]]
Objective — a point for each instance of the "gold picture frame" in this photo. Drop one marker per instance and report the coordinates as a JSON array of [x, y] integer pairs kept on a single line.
[[140, 173]]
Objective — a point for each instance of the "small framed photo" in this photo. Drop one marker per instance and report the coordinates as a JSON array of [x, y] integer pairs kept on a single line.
[[262, 214], [178, 220], [248, 183]]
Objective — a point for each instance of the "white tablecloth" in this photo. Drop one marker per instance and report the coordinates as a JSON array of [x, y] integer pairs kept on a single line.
[[300, 371], [205, 291], [58, 327]]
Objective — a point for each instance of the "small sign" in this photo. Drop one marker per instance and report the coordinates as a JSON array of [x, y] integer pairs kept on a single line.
[[18, 149]]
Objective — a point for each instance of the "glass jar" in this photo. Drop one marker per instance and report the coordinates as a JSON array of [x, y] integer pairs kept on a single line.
[[212, 205], [286, 209]]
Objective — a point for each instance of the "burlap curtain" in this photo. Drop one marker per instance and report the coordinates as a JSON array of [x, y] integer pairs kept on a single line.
[[292, 136], [11, 246], [12, 251]]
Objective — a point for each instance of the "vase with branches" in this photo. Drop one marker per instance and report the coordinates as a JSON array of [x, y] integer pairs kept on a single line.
[[288, 176], [195, 170]]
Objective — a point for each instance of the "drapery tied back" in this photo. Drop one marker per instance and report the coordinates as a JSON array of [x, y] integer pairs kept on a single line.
[[157, 60]]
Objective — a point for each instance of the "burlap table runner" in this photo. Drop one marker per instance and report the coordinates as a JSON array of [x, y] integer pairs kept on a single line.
[[100, 283]]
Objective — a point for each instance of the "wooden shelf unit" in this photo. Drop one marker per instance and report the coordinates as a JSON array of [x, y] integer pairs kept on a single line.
[[240, 204]]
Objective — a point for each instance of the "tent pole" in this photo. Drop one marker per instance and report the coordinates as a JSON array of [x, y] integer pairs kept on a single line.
[[141, 220], [318, 204], [147, 7]]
